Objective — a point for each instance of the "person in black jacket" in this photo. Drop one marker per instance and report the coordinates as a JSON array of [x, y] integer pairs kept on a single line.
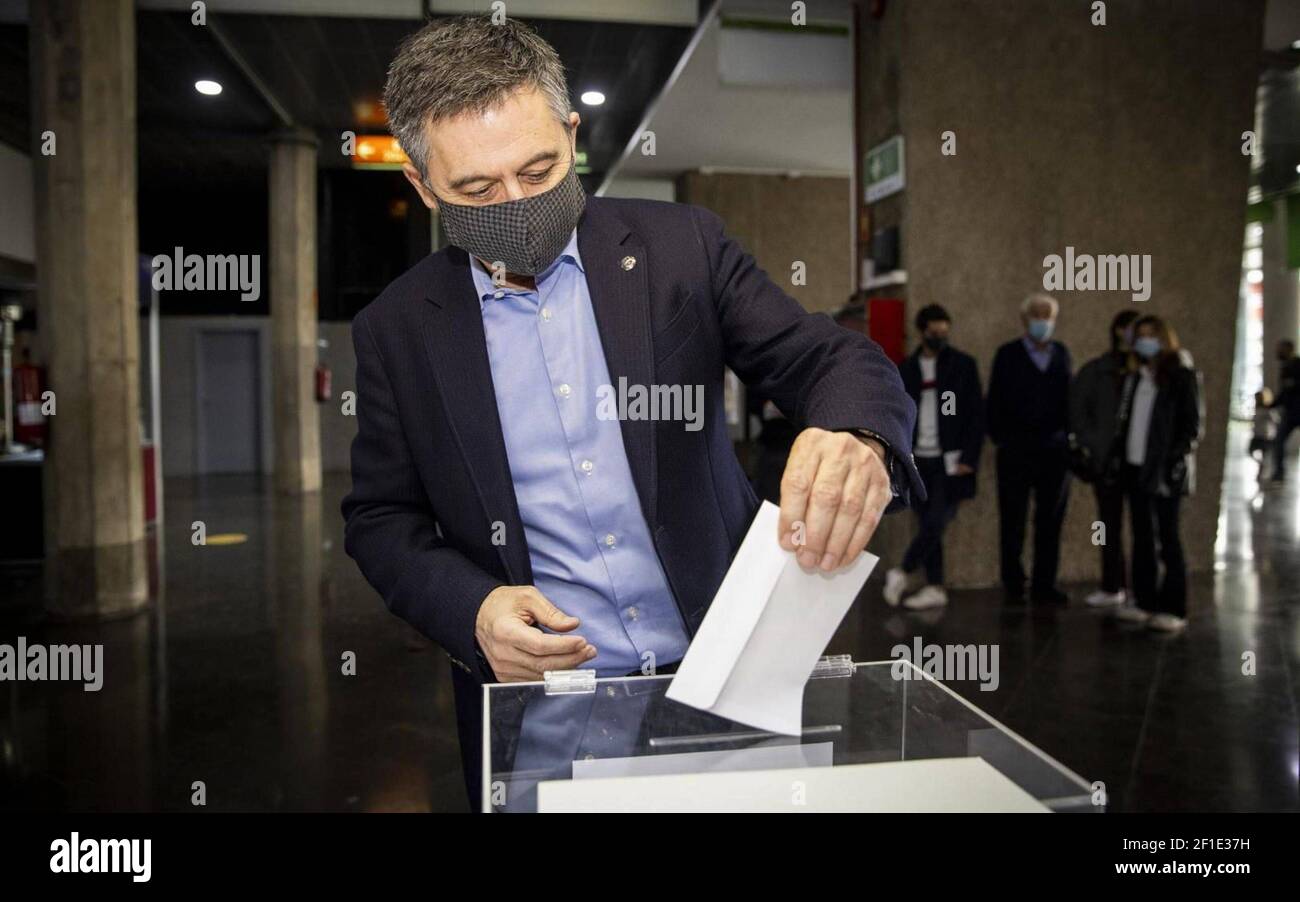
[[1287, 403], [1160, 422], [945, 385], [1027, 419], [1094, 403]]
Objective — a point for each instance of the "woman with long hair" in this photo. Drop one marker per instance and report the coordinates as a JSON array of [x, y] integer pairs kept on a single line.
[[1159, 426]]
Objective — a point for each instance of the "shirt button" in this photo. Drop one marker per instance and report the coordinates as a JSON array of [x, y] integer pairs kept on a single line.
[[546, 314], [609, 540], [633, 612], [565, 390], [499, 295], [587, 467]]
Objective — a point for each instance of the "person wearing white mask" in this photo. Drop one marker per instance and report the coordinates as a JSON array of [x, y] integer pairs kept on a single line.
[[1027, 414], [1160, 423]]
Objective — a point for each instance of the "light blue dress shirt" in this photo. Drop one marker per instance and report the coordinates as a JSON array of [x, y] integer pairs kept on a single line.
[[588, 541]]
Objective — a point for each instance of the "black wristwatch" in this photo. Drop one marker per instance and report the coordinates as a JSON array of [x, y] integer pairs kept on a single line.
[[891, 459]]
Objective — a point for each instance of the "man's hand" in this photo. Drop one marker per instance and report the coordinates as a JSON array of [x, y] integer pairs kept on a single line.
[[963, 470], [514, 647], [836, 485]]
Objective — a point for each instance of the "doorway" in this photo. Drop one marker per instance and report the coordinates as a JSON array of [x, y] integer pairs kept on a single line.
[[227, 386]]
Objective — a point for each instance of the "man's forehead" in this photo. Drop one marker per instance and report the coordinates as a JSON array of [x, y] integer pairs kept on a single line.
[[501, 140]]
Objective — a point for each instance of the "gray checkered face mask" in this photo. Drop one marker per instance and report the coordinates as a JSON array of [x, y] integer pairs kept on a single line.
[[526, 234]]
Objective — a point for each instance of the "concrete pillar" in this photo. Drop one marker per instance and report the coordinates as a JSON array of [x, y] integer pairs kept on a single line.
[[83, 109], [1062, 139], [296, 419], [1281, 291]]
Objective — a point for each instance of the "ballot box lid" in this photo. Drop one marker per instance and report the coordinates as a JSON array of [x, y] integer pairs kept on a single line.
[[877, 736]]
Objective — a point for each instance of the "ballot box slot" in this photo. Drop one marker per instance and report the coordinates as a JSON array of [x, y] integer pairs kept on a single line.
[[677, 742]]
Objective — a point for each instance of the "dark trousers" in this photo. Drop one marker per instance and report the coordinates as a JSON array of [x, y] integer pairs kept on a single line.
[[1290, 422], [1110, 511], [933, 516], [1156, 542], [1043, 474]]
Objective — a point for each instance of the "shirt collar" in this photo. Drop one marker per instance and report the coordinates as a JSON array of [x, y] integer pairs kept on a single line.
[[1032, 346], [487, 290]]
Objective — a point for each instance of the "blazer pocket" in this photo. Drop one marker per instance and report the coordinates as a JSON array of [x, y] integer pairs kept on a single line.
[[680, 328]]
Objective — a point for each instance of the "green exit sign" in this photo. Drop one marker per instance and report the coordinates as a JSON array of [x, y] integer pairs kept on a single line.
[[883, 169]]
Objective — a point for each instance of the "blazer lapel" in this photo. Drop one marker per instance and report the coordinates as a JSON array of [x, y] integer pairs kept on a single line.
[[617, 267], [457, 348]]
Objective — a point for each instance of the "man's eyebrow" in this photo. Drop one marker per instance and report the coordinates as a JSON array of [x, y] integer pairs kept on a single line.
[[543, 157]]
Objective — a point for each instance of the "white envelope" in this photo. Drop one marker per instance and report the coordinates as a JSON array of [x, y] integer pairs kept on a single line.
[[769, 623]]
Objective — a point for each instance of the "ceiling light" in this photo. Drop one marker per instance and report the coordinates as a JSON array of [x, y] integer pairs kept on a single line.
[[207, 86], [593, 98]]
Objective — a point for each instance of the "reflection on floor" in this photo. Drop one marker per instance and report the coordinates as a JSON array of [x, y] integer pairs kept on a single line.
[[236, 678]]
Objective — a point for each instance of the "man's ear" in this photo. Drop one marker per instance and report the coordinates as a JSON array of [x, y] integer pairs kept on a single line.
[[413, 176], [574, 121]]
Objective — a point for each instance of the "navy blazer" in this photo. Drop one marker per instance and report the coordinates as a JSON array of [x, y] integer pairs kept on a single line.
[[963, 429], [675, 302]]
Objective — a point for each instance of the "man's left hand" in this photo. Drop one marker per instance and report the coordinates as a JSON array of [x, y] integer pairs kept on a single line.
[[833, 493]]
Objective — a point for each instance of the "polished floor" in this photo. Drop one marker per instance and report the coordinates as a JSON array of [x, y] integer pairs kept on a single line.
[[236, 679]]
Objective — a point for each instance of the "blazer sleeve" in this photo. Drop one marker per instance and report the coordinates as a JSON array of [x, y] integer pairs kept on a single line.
[[1082, 407], [818, 373], [972, 440], [1189, 416], [997, 390], [391, 529]]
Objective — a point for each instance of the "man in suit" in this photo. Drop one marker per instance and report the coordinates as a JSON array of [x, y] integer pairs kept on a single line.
[[1028, 413], [499, 503], [945, 384]]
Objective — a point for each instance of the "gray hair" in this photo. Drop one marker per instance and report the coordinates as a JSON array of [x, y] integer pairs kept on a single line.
[[466, 64], [1031, 300]]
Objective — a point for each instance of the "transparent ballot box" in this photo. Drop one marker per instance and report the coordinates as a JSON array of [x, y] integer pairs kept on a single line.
[[877, 736]]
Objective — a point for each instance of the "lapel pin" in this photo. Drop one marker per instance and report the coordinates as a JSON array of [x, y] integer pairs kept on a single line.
[[629, 262]]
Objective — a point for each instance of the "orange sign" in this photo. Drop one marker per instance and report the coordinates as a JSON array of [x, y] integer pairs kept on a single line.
[[381, 149]]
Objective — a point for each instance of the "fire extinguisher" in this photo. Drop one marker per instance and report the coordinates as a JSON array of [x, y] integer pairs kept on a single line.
[[324, 381], [29, 421]]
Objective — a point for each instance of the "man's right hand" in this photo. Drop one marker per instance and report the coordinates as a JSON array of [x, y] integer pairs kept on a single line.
[[506, 630]]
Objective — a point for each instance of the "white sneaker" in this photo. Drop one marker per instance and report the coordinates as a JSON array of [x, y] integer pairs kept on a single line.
[[1167, 623], [1103, 599], [929, 597], [1131, 613], [895, 583]]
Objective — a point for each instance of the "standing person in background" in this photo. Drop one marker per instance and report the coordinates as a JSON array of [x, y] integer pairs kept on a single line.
[[1287, 404], [945, 385], [1027, 419], [1160, 421], [1094, 405], [1263, 439]]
